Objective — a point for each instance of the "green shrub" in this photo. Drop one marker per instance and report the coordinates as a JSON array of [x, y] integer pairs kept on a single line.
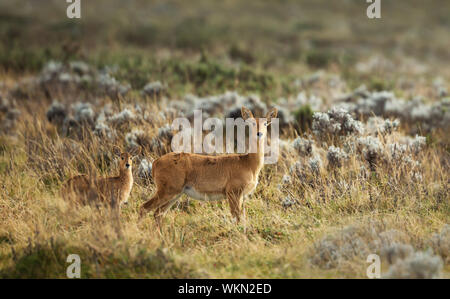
[[206, 76], [143, 35], [19, 58], [48, 260], [380, 84], [196, 33], [319, 58], [240, 54], [304, 118]]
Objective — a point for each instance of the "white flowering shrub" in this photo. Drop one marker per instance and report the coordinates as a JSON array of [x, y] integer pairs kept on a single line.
[[165, 133], [102, 130], [336, 122], [331, 251], [305, 172], [132, 137], [396, 151], [315, 164], [145, 169], [153, 89], [51, 71], [415, 144], [440, 243], [336, 156], [80, 115], [79, 67], [356, 242], [374, 104], [161, 142], [9, 115], [396, 251], [56, 113], [83, 113], [312, 101], [138, 137], [371, 148], [298, 170], [110, 86], [80, 75], [228, 105], [419, 265], [124, 116], [377, 125], [386, 104], [440, 87], [286, 179], [304, 147], [288, 202]]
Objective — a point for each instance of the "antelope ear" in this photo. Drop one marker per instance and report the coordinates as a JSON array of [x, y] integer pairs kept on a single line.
[[117, 151], [246, 113], [271, 114], [136, 151]]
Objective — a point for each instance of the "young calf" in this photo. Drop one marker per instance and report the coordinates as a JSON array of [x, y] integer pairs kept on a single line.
[[111, 190]]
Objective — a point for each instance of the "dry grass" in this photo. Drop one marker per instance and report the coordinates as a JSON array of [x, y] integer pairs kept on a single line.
[[343, 196], [200, 239]]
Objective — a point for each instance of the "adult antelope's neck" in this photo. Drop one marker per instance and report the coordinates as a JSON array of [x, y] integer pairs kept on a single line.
[[257, 159], [125, 173]]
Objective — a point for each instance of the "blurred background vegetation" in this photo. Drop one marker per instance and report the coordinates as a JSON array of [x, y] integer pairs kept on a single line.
[[203, 46]]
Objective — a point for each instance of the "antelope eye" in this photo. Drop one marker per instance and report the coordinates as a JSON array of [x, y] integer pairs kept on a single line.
[[122, 158]]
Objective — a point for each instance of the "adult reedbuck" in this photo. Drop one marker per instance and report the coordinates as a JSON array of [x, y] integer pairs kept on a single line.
[[230, 176], [113, 191]]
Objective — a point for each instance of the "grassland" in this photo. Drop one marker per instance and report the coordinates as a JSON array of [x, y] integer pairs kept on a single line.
[[62, 118]]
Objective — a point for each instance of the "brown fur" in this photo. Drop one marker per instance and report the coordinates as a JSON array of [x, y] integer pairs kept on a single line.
[[113, 191], [230, 177]]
